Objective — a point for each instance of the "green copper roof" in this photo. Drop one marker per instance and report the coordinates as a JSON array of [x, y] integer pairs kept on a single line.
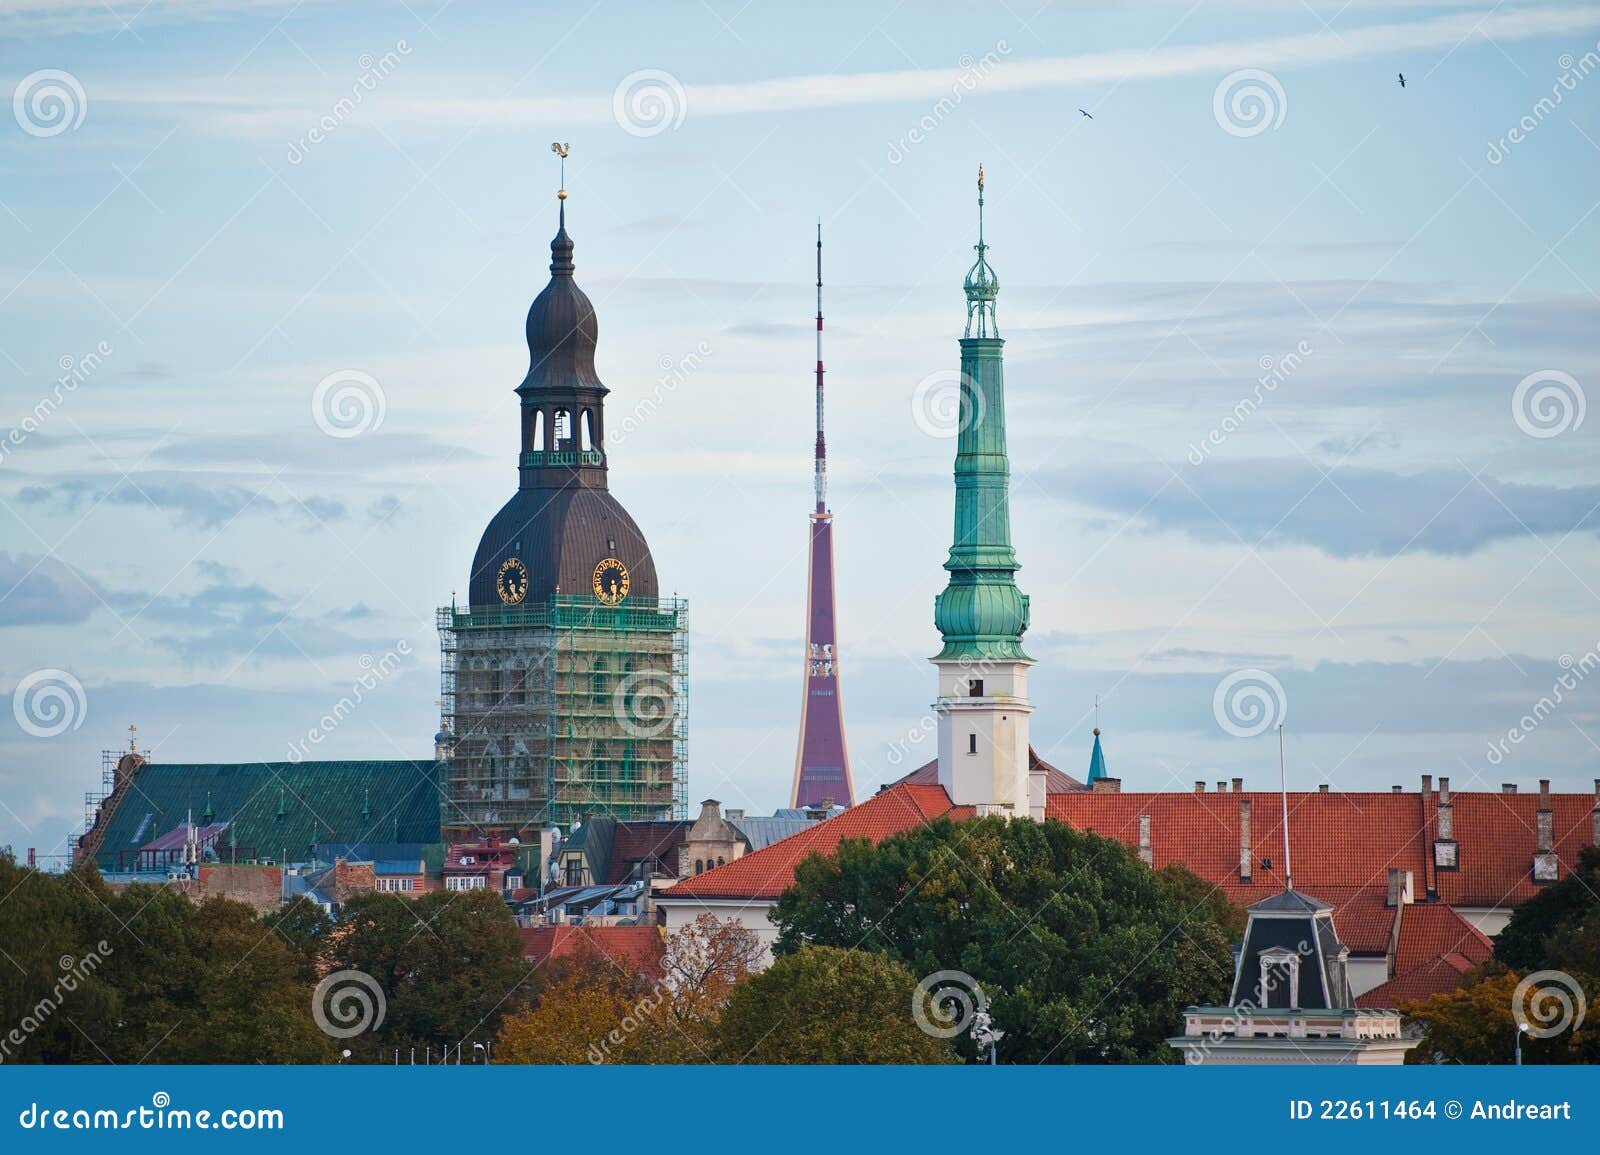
[[279, 808], [981, 614], [1097, 760]]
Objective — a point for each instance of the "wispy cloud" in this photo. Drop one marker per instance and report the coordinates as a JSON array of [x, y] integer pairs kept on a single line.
[[275, 112]]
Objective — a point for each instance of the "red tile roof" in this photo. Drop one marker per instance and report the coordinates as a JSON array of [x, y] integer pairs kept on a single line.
[[769, 872], [1361, 915], [1338, 839], [1438, 977], [636, 948], [1429, 931], [1498, 836]]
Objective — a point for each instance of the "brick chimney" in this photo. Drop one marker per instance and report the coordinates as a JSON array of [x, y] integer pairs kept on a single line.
[[1447, 825], [1245, 860], [1400, 893], [1200, 786], [1238, 785], [1144, 839], [1222, 787], [1322, 788], [1038, 791], [1546, 867], [1508, 787], [1108, 786]]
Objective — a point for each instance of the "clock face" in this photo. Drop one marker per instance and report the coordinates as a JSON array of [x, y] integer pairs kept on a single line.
[[511, 583], [611, 581]]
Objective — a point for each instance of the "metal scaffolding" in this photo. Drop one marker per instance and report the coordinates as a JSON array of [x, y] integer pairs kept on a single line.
[[564, 709]]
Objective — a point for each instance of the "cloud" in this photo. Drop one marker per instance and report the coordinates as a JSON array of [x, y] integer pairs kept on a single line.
[[191, 503], [41, 591], [274, 112], [1348, 513]]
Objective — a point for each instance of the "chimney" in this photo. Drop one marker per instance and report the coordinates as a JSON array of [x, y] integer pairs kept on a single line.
[[1322, 788], [1238, 785], [1508, 787], [1144, 839], [1427, 783], [1038, 791], [1546, 818], [1222, 787], [1395, 790], [1245, 860], [1447, 826], [734, 815], [1108, 786], [1200, 786], [1400, 893]]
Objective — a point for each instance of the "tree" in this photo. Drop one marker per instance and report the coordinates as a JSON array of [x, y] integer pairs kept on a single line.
[[701, 964], [1477, 1023], [589, 1010], [828, 1005], [1083, 952], [449, 963], [596, 1009], [1564, 915], [303, 926]]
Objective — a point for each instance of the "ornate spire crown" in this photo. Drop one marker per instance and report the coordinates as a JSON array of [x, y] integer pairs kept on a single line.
[[981, 285]]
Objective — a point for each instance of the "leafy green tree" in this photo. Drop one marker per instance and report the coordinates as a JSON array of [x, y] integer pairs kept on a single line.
[[449, 963], [828, 1005], [1477, 1023], [1564, 916], [302, 925], [1084, 953]]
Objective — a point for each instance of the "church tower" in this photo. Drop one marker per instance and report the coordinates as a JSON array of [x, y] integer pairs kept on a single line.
[[983, 705], [563, 676], [822, 763]]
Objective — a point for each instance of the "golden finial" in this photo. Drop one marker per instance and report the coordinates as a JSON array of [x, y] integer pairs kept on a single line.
[[561, 150], [980, 178]]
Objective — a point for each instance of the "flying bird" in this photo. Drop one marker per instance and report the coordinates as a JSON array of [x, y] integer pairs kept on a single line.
[[1402, 80], [1086, 114]]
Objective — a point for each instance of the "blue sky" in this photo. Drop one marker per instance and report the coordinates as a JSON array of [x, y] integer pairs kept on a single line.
[[1375, 529]]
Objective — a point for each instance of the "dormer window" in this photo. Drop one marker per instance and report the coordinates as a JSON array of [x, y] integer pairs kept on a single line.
[[1280, 975]]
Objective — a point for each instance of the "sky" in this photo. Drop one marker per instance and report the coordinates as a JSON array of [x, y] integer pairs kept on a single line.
[[1296, 368]]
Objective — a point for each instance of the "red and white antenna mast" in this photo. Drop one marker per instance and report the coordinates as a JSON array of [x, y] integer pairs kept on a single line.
[[822, 444]]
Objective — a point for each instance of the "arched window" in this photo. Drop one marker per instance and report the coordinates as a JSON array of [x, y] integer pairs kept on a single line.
[[563, 429], [719, 861], [588, 429], [536, 432], [699, 866]]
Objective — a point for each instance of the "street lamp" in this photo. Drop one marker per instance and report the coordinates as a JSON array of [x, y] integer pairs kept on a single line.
[[476, 1047], [1522, 1029], [986, 1034]]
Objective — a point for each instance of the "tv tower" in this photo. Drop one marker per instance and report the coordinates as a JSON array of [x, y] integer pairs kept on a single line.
[[822, 764]]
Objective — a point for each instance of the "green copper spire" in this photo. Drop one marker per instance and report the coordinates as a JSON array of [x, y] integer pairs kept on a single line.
[[982, 614], [1097, 760]]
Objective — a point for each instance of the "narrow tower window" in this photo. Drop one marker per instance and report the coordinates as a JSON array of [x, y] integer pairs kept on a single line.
[[975, 688], [972, 743], [536, 441], [563, 426], [588, 429]]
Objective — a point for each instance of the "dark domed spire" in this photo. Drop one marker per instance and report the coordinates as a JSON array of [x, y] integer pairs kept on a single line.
[[562, 330]]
